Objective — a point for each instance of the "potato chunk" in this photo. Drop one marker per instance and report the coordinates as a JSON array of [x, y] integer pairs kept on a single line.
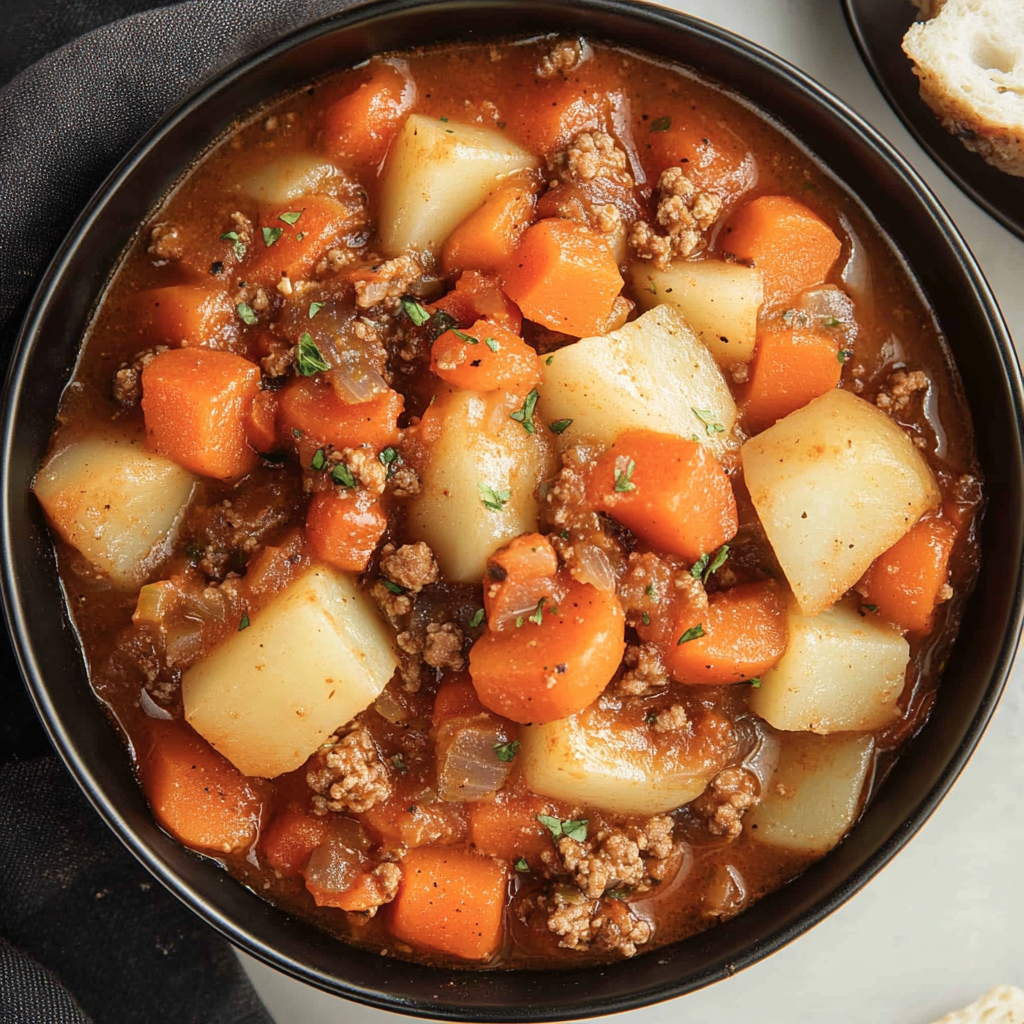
[[292, 176], [720, 300], [835, 484], [843, 671], [310, 661], [653, 374], [595, 759], [815, 793], [436, 174], [477, 489], [117, 503]]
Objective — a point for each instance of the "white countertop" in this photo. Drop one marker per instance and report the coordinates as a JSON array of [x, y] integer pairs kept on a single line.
[[945, 920]]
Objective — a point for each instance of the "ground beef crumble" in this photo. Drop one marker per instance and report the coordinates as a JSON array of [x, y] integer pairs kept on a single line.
[[684, 213], [165, 242], [645, 673], [564, 56], [412, 566], [347, 774], [591, 155], [381, 886], [388, 280], [900, 389], [722, 805], [608, 925], [127, 387]]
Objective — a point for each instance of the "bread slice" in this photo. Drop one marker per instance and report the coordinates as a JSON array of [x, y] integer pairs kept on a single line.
[[969, 56], [1003, 1004]]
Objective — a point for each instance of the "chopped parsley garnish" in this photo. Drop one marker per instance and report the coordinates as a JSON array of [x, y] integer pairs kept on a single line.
[[870, 607], [564, 534], [238, 246], [831, 321], [301, 235], [244, 623], [440, 322], [398, 763], [795, 316], [623, 481], [519, 622], [708, 419], [661, 124], [537, 616], [698, 567], [390, 460], [507, 751], [415, 312], [525, 414], [309, 360], [693, 633], [559, 426], [719, 560], [246, 314], [652, 288], [651, 717], [319, 460], [755, 682], [549, 360], [650, 591], [314, 308], [646, 618], [477, 619], [557, 827], [291, 216], [521, 865], [616, 894], [467, 338], [341, 474], [492, 344], [445, 119], [844, 354], [492, 499], [271, 235], [392, 586], [296, 432]]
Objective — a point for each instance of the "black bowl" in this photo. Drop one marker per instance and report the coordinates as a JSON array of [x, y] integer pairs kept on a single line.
[[49, 652]]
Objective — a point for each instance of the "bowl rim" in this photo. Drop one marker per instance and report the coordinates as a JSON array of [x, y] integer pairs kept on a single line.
[[16, 614]]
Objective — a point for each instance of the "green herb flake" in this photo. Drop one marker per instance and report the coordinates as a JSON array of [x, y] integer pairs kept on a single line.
[[650, 591], [698, 567], [525, 414], [652, 287], [392, 586], [445, 119], [493, 500], [870, 607], [319, 460], [844, 354], [301, 235], [291, 216], [271, 235], [564, 534], [559, 426], [341, 474], [693, 633], [537, 616], [521, 866], [467, 338], [398, 763], [314, 308], [415, 312], [719, 560], [237, 245], [246, 314], [477, 619], [616, 894], [831, 321], [623, 478], [440, 322], [646, 618], [309, 360], [661, 124], [492, 344], [755, 682], [708, 419], [651, 717], [549, 360], [244, 623], [519, 622], [296, 432], [557, 827], [507, 751]]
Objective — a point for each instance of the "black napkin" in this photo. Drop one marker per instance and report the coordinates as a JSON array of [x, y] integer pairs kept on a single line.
[[85, 933]]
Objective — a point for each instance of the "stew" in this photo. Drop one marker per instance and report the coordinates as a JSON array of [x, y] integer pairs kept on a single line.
[[515, 504]]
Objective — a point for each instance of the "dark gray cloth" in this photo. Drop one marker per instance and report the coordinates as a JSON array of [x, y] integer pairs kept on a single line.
[[85, 933]]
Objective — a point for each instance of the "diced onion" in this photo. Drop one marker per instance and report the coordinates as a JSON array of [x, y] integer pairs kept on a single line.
[[828, 304], [856, 274], [762, 746], [351, 375], [334, 864], [151, 708], [468, 767], [388, 707], [593, 566], [155, 601]]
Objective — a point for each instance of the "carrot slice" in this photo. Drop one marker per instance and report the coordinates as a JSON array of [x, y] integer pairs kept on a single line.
[[789, 369], [451, 901], [519, 576], [311, 406], [792, 247], [564, 276], [905, 582], [527, 557], [188, 315], [485, 357], [507, 827], [455, 696], [290, 838], [196, 403], [710, 154], [344, 529], [740, 635], [286, 246], [554, 668], [671, 492], [261, 425], [202, 799], [360, 126], [491, 233]]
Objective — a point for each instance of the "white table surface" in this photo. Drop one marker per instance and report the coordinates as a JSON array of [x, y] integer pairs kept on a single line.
[[945, 920]]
